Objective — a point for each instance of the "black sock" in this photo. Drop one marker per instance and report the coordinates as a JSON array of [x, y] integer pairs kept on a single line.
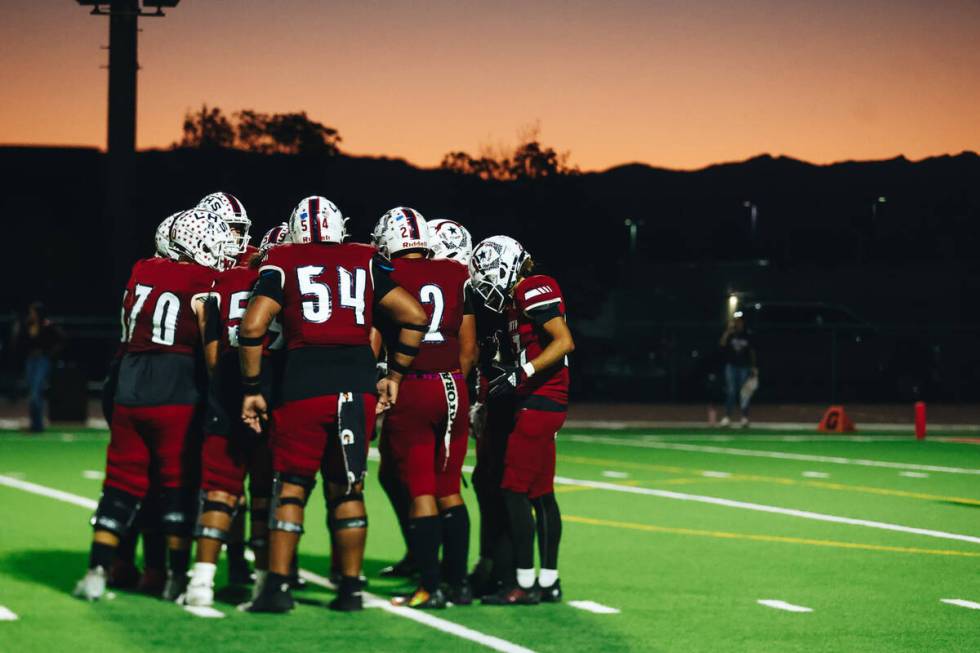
[[178, 559], [521, 528], [424, 538], [126, 550], [275, 583], [455, 543], [101, 555], [154, 550], [236, 552], [400, 499], [549, 530], [349, 585]]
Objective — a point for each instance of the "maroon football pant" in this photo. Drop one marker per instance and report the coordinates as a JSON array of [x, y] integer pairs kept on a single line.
[[304, 437], [226, 459], [529, 464], [157, 441], [415, 429]]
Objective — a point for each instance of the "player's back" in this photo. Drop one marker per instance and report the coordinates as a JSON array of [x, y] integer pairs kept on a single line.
[[439, 285]]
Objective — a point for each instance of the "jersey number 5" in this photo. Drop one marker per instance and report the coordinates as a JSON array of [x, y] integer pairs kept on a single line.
[[317, 306]]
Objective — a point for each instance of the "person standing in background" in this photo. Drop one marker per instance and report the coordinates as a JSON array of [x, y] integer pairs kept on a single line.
[[39, 342], [740, 366]]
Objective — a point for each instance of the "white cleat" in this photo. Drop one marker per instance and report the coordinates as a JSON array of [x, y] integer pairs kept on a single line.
[[198, 594], [744, 423], [92, 585], [725, 422]]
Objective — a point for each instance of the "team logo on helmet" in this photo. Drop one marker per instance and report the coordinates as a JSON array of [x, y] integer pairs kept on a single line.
[[230, 209], [400, 229], [494, 269], [449, 239], [201, 236]]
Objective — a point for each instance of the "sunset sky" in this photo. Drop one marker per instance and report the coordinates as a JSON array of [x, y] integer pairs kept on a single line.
[[677, 83]]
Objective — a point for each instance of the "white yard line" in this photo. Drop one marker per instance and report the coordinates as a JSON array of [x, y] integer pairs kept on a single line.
[[759, 507], [442, 625], [711, 474], [963, 603], [592, 606], [783, 605], [614, 474], [816, 475], [93, 474], [781, 455], [205, 612], [914, 474], [6, 614]]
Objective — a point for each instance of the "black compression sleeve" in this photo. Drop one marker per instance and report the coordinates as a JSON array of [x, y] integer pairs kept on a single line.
[[212, 325], [469, 302], [381, 270], [541, 314], [269, 285]]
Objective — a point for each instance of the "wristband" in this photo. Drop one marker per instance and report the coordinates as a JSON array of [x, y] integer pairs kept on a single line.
[[528, 369], [250, 341], [395, 366], [251, 385]]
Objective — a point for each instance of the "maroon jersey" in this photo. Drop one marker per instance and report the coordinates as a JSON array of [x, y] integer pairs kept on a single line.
[[537, 299], [327, 292], [245, 257], [158, 306], [439, 287], [232, 288]]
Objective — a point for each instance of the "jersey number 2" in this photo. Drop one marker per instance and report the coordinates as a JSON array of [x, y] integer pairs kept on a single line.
[[432, 294]]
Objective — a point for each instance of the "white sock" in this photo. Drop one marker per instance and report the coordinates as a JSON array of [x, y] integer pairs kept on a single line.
[[525, 578], [203, 573], [547, 577], [260, 575]]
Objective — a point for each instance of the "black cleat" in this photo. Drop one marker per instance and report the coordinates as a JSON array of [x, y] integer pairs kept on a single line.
[[551, 594], [513, 596], [421, 599], [459, 594], [404, 568], [350, 596], [175, 586], [274, 597]]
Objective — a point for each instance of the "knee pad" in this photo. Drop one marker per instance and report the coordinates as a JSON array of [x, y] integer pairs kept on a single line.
[[211, 532], [334, 524], [276, 524], [178, 511], [116, 511]]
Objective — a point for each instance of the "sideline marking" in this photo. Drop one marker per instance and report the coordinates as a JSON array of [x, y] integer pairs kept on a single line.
[[783, 605], [963, 603], [204, 611], [489, 641], [782, 455], [759, 507], [724, 535], [592, 606], [7, 615]]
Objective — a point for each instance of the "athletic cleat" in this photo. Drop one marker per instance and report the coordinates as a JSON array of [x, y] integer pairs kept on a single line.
[[744, 423], [273, 598], [513, 596], [92, 585], [460, 594], [296, 582], [174, 587], [351, 602], [123, 575], [550, 594], [421, 600], [725, 422], [152, 581], [404, 568], [198, 594]]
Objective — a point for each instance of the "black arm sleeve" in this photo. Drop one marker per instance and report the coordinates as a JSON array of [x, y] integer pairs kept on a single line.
[[381, 269], [212, 325], [269, 285], [469, 301], [541, 314]]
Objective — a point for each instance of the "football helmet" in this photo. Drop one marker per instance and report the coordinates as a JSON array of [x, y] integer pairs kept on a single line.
[[202, 236], [233, 213], [449, 239], [317, 220], [162, 237], [400, 229], [494, 267], [275, 236]]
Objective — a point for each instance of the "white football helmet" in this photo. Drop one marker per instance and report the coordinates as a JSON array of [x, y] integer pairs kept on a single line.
[[203, 237], [494, 268], [275, 236], [317, 220], [162, 237], [449, 239], [233, 213], [400, 229]]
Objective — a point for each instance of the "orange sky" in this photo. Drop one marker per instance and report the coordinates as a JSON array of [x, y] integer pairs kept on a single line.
[[674, 83]]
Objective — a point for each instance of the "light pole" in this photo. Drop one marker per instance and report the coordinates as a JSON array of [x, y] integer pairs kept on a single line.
[[633, 226], [121, 132]]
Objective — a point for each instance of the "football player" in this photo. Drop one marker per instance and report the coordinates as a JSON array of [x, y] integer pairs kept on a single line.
[[501, 272], [447, 240], [230, 448], [230, 209], [153, 420], [326, 292], [427, 430]]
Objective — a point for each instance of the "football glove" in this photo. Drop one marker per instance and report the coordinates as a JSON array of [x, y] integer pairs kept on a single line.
[[506, 382]]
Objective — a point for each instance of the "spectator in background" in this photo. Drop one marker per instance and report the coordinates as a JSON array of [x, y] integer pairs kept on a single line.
[[740, 366], [39, 342]]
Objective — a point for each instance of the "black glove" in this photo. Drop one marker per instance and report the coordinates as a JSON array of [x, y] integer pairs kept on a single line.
[[506, 381]]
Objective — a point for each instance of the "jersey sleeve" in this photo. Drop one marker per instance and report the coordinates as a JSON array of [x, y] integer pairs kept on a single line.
[[540, 299], [381, 269]]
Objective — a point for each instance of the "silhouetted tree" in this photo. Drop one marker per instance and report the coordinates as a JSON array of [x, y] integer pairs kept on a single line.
[[529, 160], [285, 133], [207, 129]]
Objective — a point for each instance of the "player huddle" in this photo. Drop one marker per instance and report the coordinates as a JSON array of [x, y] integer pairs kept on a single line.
[[272, 364]]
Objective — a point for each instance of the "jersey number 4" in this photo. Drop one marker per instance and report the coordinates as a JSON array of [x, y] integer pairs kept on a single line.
[[317, 305]]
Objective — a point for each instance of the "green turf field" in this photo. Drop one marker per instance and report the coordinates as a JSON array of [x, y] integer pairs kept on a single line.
[[681, 533]]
